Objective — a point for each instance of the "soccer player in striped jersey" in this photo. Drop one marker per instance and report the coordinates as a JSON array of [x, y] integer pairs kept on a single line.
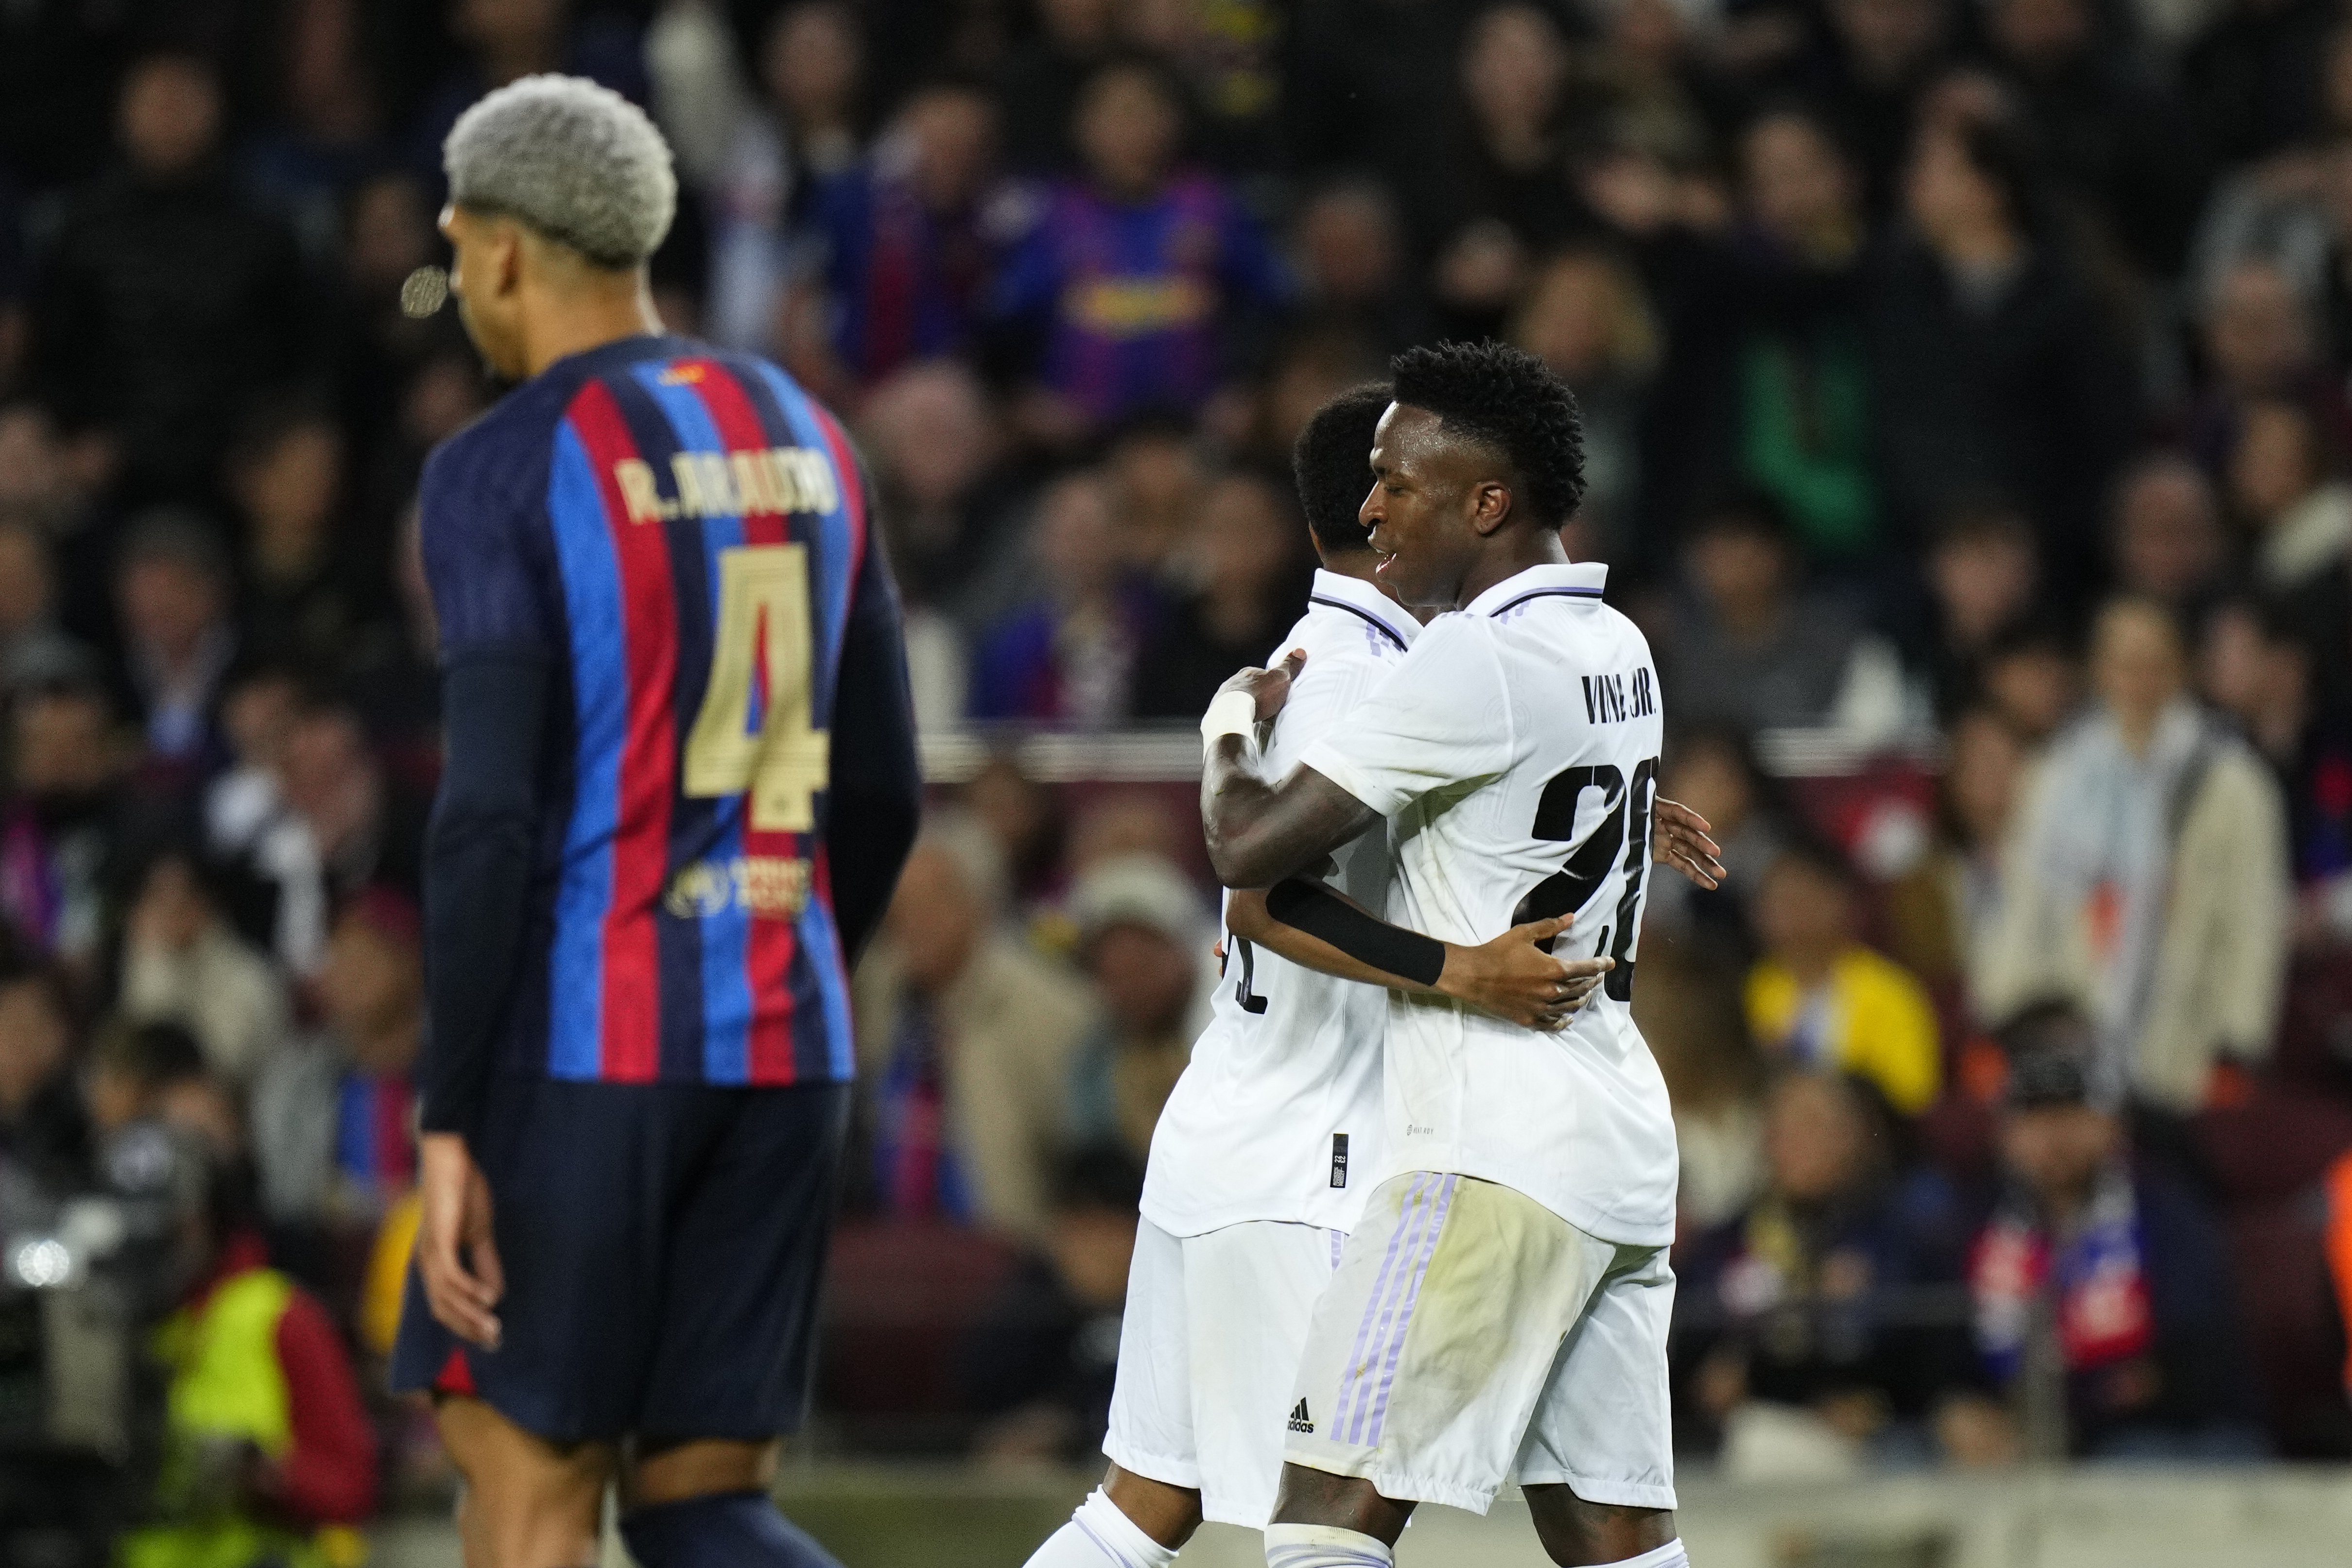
[[679, 783]]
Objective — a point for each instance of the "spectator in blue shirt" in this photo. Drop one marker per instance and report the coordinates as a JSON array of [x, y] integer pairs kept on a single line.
[[909, 236], [1125, 287]]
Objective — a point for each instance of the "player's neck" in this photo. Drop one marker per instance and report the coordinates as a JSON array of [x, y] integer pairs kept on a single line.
[[1508, 553], [580, 319]]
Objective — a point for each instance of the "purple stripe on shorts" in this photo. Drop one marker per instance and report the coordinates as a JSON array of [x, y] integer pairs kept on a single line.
[[1411, 1300], [1372, 1305], [1414, 1228], [1338, 1243]]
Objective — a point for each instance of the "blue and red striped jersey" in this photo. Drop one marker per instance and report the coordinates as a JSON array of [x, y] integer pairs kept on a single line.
[[682, 534]]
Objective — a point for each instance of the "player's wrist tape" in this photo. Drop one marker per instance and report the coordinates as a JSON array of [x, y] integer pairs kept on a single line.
[[1309, 906], [1230, 713]]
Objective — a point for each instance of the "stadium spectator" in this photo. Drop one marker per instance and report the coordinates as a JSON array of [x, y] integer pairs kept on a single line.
[[1826, 1320], [2033, 676], [248, 1481], [33, 647], [44, 1134], [2130, 1263], [1992, 366], [1042, 75], [1348, 244], [1688, 1007], [345, 824], [179, 637], [1869, 61], [166, 300], [1068, 655], [2297, 513], [1982, 578], [334, 1140], [1820, 1000], [2116, 138], [966, 1037], [1749, 648], [2168, 541], [936, 446], [1128, 290], [135, 1069], [2259, 342], [1508, 201], [62, 822], [1158, 479], [311, 583], [1038, 1363], [2147, 876], [1245, 553], [496, 41], [1942, 914], [2255, 666], [1777, 373], [1143, 936], [185, 963], [906, 243], [1712, 768], [1584, 314]]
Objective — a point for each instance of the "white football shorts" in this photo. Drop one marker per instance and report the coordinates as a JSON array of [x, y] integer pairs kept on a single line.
[[1473, 1337], [1207, 1350]]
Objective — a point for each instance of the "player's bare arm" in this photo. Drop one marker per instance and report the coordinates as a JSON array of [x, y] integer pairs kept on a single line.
[[1259, 834]]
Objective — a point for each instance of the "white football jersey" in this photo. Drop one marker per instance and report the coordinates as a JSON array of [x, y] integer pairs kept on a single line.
[[1515, 753], [1278, 1115]]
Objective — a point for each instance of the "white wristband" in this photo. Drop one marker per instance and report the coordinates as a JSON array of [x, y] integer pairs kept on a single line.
[[1230, 713]]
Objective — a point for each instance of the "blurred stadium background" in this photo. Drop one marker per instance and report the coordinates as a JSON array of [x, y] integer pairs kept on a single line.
[[1968, 423]]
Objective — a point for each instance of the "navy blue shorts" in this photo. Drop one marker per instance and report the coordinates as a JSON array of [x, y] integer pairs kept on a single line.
[[663, 1245]]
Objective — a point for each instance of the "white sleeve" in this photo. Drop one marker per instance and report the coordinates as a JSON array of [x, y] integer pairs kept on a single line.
[[1326, 690], [1443, 717]]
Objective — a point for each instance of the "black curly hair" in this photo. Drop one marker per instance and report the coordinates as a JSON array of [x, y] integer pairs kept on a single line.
[[1511, 401], [1332, 463]]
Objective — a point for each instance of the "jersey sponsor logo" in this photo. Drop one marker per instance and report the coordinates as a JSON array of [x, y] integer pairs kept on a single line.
[[770, 887], [773, 481], [1300, 1421], [1612, 699]]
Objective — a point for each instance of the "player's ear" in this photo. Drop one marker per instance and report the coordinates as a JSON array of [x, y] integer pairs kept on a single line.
[[1490, 506], [506, 258]]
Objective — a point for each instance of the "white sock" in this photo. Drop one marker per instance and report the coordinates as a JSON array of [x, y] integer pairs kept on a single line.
[[1670, 1555], [1100, 1536], [1321, 1546]]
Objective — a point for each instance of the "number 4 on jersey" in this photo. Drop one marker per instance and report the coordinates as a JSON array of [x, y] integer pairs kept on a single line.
[[1567, 890], [753, 732]]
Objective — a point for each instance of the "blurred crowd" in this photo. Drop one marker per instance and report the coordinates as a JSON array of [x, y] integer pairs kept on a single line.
[[1967, 383]]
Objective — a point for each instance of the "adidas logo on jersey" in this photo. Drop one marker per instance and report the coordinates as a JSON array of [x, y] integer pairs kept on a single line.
[[1300, 1421]]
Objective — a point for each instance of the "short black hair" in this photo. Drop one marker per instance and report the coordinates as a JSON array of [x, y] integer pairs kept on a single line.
[[154, 1055], [1510, 400], [1332, 465]]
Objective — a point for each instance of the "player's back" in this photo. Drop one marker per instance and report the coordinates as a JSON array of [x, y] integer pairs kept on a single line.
[[1276, 1116], [687, 530], [1516, 752]]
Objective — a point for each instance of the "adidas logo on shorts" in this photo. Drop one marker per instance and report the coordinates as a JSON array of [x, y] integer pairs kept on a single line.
[[1300, 1421]]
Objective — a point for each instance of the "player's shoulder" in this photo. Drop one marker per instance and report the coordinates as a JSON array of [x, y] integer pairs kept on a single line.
[[1347, 626], [498, 450]]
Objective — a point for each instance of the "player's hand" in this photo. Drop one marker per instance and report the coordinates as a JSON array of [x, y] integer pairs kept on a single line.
[[1269, 688], [1515, 978], [456, 1257], [1678, 839]]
